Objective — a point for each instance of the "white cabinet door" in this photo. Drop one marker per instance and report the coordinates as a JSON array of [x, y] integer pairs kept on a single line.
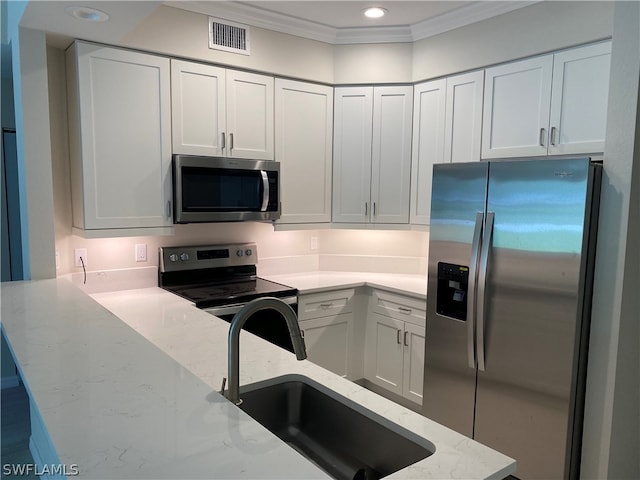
[[579, 99], [447, 127], [304, 135], [220, 112], [120, 138], [198, 112], [428, 145], [463, 124], [413, 370], [391, 154], [516, 108], [385, 352], [249, 115], [352, 154], [328, 341]]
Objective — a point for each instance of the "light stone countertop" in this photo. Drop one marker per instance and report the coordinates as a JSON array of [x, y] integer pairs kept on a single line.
[[129, 391], [315, 282]]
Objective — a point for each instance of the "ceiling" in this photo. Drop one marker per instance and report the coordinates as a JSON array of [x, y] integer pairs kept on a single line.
[[337, 22]]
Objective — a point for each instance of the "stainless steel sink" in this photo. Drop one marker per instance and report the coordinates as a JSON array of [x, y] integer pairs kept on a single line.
[[343, 438]]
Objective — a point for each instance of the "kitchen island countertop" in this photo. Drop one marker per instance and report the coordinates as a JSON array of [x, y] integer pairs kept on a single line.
[[129, 391]]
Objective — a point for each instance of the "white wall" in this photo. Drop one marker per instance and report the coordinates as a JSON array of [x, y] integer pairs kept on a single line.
[[539, 28], [185, 34], [33, 148], [373, 63], [611, 440]]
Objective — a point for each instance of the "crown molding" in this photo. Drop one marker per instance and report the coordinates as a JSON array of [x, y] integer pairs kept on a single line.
[[475, 12], [261, 18]]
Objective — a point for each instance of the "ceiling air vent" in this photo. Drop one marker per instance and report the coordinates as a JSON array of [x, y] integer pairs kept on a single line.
[[228, 36]]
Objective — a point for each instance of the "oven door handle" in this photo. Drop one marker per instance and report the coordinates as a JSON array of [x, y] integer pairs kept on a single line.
[[265, 190], [232, 309]]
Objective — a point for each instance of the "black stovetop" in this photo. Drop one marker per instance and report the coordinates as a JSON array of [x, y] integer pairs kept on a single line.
[[206, 295]]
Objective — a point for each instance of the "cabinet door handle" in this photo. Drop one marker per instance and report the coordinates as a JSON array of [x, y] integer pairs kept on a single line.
[[398, 332], [554, 130], [168, 208], [374, 209], [326, 305], [542, 135], [366, 208], [224, 141], [231, 141], [406, 343], [405, 309]]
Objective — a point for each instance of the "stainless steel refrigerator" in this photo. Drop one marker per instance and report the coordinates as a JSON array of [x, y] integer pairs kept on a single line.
[[510, 274]]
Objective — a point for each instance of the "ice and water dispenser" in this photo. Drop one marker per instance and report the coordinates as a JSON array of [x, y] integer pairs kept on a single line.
[[451, 297]]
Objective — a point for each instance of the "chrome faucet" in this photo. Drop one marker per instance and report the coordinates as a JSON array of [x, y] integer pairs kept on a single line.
[[263, 303]]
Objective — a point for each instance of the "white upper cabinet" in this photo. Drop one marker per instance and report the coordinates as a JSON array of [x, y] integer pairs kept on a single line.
[[447, 126], [221, 112], [120, 139], [372, 154], [463, 123], [391, 154], [304, 134], [198, 108], [250, 115], [516, 108], [428, 144], [352, 135], [554, 104], [579, 99]]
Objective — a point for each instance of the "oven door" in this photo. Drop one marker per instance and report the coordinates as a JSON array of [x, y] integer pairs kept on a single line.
[[266, 324], [214, 189]]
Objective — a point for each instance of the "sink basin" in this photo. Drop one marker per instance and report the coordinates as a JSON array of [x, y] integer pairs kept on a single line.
[[341, 437]]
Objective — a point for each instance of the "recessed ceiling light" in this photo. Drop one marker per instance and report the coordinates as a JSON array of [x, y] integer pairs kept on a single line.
[[87, 14], [374, 12]]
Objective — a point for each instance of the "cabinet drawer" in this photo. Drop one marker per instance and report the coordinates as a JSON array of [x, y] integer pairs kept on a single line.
[[318, 305], [404, 308]]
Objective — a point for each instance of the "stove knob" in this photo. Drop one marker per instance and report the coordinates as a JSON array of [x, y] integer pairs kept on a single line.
[[239, 252], [184, 257], [173, 257], [248, 252]]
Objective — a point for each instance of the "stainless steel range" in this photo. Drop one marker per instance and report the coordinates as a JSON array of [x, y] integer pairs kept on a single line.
[[221, 279]]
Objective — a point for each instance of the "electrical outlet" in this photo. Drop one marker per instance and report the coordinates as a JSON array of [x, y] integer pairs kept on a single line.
[[141, 252], [313, 243], [80, 253]]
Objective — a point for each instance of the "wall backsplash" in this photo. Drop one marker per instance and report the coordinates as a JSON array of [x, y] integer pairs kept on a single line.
[[278, 251]]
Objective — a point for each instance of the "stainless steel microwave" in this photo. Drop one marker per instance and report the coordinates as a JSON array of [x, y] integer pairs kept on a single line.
[[217, 189]]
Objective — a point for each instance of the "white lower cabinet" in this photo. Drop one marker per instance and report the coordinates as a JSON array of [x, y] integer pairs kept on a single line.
[[394, 345], [369, 334], [327, 322], [327, 340]]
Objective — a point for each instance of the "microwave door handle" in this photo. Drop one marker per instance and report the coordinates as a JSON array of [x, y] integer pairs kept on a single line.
[[265, 191]]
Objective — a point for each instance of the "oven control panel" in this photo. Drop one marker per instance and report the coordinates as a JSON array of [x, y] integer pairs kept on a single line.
[[207, 256]]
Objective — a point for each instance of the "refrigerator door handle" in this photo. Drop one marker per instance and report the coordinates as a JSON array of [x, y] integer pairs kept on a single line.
[[471, 292], [482, 284]]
